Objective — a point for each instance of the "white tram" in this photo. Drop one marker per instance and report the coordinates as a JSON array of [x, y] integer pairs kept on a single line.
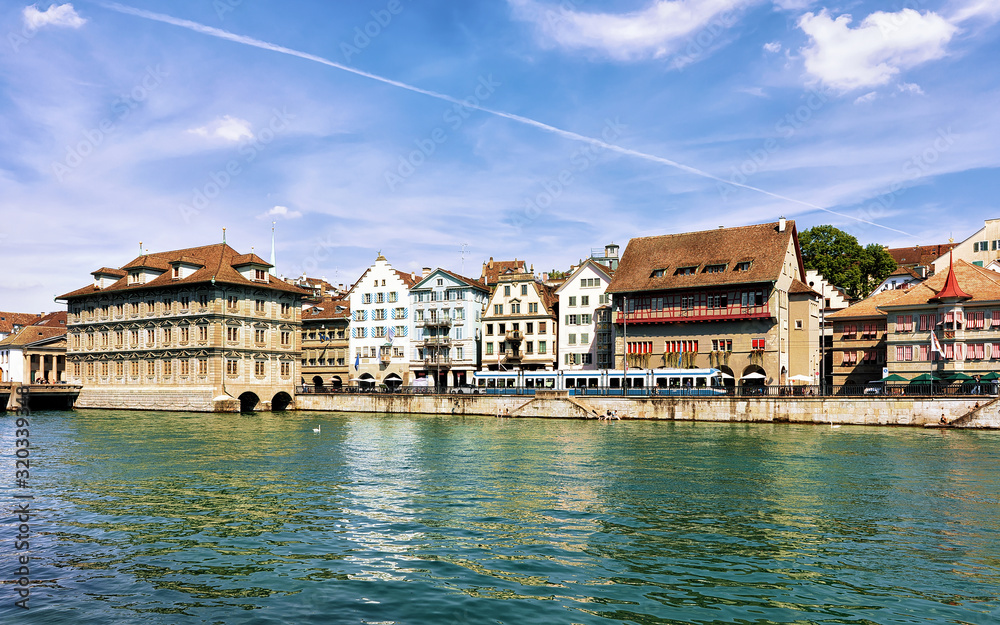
[[603, 382]]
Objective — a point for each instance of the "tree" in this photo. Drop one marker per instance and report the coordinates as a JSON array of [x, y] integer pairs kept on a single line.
[[839, 257]]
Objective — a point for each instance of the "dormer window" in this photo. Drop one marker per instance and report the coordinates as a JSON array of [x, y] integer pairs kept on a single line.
[[177, 272], [260, 275], [686, 271], [657, 273], [134, 277], [744, 266], [713, 269]]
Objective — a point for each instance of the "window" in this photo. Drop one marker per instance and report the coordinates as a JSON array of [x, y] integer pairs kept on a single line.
[[687, 302], [571, 320], [286, 338], [259, 275], [497, 309], [585, 300], [286, 308], [133, 337], [185, 367], [459, 353], [150, 367], [758, 344], [399, 313], [541, 327], [184, 334], [489, 329], [258, 336], [232, 301], [506, 291], [168, 367], [586, 320], [572, 300], [232, 367], [185, 303], [258, 368], [744, 266], [657, 273], [366, 298], [489, 348], [150, 338], [258, 305], [203, 300], [572, 339], [798, 324], [202, 366], [524, 289], [585, 338], [532, 308], [515, 308], [232, 333], [286, 369], [380, 298], [501, 328], [541, 347], [682, 271], [202, 333], [904, 323], [714, 269], [529, 328]]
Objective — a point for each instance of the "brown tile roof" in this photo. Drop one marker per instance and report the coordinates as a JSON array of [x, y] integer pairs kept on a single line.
[[249, 259], [798, 286], [408, 279], [495, 268], [919, 254], [54, 319], [10, 319], [467, 281], [31, 334], [108, 271], [868, 307], [762, 244], [219, 261], [981, 284], [328, 309], [905, 271]]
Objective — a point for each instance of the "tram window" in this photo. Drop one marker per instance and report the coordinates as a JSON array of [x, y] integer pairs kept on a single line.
[[592, 382], [550, 383], [661, 382], [700, 382], [716, 381], [481, 382], [570, 383], [491, 382], [688, 382], [510, 382], [675, 382], [615, 382], [529, 383], [637, 382]]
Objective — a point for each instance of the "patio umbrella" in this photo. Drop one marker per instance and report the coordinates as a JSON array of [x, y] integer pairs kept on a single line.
[[753, 376], [924, 377], [895, 377], [801, 378], [992, 375], [958, 376]]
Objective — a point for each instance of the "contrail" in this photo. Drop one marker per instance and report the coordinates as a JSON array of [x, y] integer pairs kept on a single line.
[[257, 43]]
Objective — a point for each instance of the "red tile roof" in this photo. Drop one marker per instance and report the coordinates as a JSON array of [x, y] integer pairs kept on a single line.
[[495, 268], [10, 319], [219, 261], [761, 244], [982, 285], [919, 254], [328, 309], [868, 307], [32, 334]]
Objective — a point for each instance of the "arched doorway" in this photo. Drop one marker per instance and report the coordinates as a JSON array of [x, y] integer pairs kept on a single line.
[[753, 380], [281, 401], [318, 383], [366, 381], [248, 402], [730, 381], [336, 382], [393, 382]]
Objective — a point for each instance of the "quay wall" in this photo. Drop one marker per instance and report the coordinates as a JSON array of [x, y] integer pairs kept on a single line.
[[975, 412], [194, 399]]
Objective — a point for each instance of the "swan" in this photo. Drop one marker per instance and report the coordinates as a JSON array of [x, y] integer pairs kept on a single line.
[[317, 429]]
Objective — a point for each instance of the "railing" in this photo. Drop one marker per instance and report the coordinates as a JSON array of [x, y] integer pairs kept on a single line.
[[437, 360], [432, 341], [443, 322], [515, 335]]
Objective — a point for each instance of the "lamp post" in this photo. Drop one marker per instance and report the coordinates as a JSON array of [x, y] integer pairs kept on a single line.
[[822, 336]]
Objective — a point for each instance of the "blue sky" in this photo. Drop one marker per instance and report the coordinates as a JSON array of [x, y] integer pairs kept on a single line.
[[473, 123]]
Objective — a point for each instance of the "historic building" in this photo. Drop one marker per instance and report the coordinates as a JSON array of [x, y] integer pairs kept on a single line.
[[585, 334], [731, 298], [447, 318], [36, 353], [326, 344], [11, 322], [204, 328], [380, 326], [981, 248], [520, 324], [492, 269], [946, 326], [859, 340]]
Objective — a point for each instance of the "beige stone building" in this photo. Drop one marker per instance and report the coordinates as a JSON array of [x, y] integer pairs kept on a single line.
[[326, 344], [859, 340], [730, 298], [199, 329], [520, 324], [36, 354]]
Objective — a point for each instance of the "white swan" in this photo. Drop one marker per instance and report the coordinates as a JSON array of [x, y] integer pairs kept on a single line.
[[317, 429]]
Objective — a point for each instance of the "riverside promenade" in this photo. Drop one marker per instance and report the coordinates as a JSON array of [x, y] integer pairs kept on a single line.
[[960, 411]]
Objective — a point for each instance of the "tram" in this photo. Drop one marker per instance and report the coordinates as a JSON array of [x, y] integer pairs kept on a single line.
[[603, 382]]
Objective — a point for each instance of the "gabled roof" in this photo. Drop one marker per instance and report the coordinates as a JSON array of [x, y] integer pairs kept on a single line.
[[10, 319], [328, 309], [798, 286], [31, 335], [951, 289], [54, 319], [493, 269], [981, 285], [108, 271], [219, 265], [919, 254], [761, 244], [476, 284], [593, 264], [868, 307]]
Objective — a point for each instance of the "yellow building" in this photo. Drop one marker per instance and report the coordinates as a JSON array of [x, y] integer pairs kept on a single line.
[[199, 329]]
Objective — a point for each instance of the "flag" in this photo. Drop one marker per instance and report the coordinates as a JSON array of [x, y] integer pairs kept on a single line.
[[391, 334], [357, 361], [935, 345]]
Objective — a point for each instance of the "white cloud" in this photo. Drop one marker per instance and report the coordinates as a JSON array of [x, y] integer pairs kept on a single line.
[[865, 99], [662, 28], [55, 15], [989, 9], [877, 50], [754, 91], [228, 127], [773, 46], [792, 5], [282, 211], [909, 87]]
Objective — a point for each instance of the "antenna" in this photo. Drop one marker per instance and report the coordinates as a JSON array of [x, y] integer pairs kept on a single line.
[[464, 245]]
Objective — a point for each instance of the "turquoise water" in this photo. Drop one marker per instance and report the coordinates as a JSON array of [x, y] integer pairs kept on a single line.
[[190, 518]]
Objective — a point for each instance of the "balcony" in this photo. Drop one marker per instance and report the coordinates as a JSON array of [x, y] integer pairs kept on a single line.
[[437, 361], [512, 355], [385, 359], [437, 341], [434, 321], [735, 312], [515, 336]]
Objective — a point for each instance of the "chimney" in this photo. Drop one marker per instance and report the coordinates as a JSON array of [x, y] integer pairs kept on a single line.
[[427, 271], [781, 224]]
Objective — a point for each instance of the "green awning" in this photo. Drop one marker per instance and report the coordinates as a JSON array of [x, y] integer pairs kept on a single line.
[[924, 377], [992, 375], [958, 376], [895, 377]]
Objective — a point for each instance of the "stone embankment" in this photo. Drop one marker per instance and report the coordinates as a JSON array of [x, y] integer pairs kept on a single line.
[[966, 412]]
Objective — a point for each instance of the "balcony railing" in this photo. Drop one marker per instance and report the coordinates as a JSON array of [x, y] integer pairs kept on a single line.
[[433, 322], [697, 313], [432, 341], [437, 361], [515, 335]]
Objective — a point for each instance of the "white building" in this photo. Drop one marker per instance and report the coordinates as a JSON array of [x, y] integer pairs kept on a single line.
[[980, 249], [380, 326], [585, 335], [447, 322]]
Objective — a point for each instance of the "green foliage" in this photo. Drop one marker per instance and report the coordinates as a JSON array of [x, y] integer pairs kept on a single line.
[[839, 257]]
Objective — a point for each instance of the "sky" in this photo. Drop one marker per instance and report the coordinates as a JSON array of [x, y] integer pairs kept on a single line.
[[443, 133]]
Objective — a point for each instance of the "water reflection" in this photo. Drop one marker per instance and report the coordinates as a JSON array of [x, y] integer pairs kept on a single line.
[[445, 519]]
